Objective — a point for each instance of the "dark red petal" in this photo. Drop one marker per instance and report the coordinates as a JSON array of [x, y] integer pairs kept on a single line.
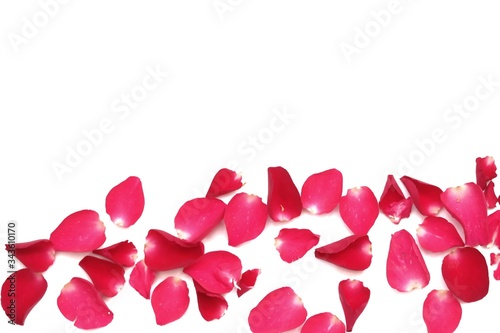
[[323, 323], [108, 277], [353, 252], [142, 279], [493, 223], [354, 297], [359, 209], [293, 244], [321, 192], [393, 203], [490, 196], [80, 302], [247, 281], [436, 234], [36, 255], [485, 170], [441, 312], [21, 291], [245, 218], [467, 205], [125, 202], [406, 269], [211, 306], [465, 272], [198, 217], [164, 252], [283, 197], [79, 232], [425, 197], [279, 311], [225, 181], [217, 272], [495, 260], [170, 300], [123, 253]]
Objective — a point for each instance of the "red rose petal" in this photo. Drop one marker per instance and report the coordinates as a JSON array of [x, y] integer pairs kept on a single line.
[[321, 192], [279, 311], [36, 255], [198, 217], [217, 272], [406, 269], [170, 300], [123, 253], [485, 170], [467, 205], [80, 302], [493, 223], [245, 218], [490, 196], [495, 260], [441, 312], [108, 277], [353, 252], [142, 279], [81, 231], [125, 202], [211, 306], [283, 198], [164, 252], [465, 272], [293, 244], [323, 323], [436, 234], [225, 181], [354, 297], [425, 197], [21, 291], [393, 203], [359, 209], [247, 281]]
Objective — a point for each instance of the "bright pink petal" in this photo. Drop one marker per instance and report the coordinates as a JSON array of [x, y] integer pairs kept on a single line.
[[79, 232], [225, 181], [164, 252], [441, 312], [293, 244], [359, 209], [21, 291], [279, 311], [217, 272], [247, 281], [283, 198], [493, 223], [495, 260], [485, 170], [323, 323], [170, 300], [123, 253], [142, 278], [36, 255], [211, 306], [353, 252], [465, 272], [490, 196], [354, 297], [436, 234], [125, 202], [108, 277], [467, 205], [80, 302], [198, 217], [245, 218], [425, 197], [406, 269], [393, 203], [321, 192]]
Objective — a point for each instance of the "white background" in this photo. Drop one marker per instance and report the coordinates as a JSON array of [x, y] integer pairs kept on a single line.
[[229, 73]]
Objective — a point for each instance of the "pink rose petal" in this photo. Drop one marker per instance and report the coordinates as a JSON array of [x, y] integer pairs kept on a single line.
[[125, 202], [495, 260], [359, 209], [354, 297], [323, 323], [283, 198], [142, 278], [247, 281], [170, 300], [211, 306], [321, 192], [490, 196], [493, 223], [123, 253], [393, 203], [441, 312], [436, 234], [485, 170], [425, 197], [353, 252], [225, 181], [36, 255], [293, 244], [108, 277]]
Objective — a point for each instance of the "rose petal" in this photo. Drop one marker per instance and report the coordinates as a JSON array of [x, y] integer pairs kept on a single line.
[[283, 199], [495, 260], [393, 203], [321, 192], [170, 300], [441, 312], [323, 323], [293, 244], [485, 170], [36, 255], [108, 277], [247, 281], [425, 197], [493, 223], [21, 291], [211, 306], [142, 279], [125, 202], [436, 234], [490, 196], [353, 252], [359, 209], [354, 297], [224, 181], [123, 253]]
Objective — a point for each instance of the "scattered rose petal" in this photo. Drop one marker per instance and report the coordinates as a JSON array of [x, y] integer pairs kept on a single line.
[[465, 272], [495, 260], [211, 306], [283, 198], [493, 223], [436, 234], [36, 255], [247, 281], [353, 252], [359, 209], [406, 269], [490, 196], [279, 311], [354, 297], [293, 244], [485, 170], [80, 302], [224, 181], [393, 203], [81, 231], [323, 323], [170, 300], [123, 253], [441, 312], [142, 278], [108, 277], [425, 197], [21, 291], [321, 192], [125, 202]]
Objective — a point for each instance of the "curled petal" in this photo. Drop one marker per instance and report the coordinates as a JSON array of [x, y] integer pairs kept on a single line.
[[425, 197], [283, 198], [393, 203], [354, 297], [36, 255], [436, 234], [293, 244], [224, 181], [170, 300], [490, 196], [323, 323], [108, 277], [441, 312], [125, 202], [247, 281], [353, 252], [142, 279], [485, 170], [123, 253], [321, 192], [359, 209], [211, 306]]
